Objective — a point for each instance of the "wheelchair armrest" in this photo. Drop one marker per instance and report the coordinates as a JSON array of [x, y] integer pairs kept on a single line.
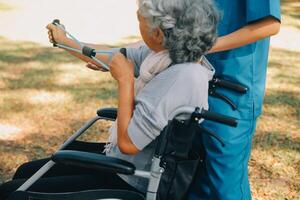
[[109, 113], [93, 161]]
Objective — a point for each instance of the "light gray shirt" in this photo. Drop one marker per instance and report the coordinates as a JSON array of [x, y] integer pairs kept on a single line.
[[175, 92]]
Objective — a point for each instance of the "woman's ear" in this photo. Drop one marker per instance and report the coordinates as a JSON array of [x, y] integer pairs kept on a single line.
[[158, 36]]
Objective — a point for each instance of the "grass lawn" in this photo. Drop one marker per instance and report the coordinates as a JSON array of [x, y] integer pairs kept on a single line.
[[4, 7], [45, 95]]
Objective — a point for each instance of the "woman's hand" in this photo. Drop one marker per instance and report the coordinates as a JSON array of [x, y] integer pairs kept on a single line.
[[55, 34], [121, 69], [95, 67]]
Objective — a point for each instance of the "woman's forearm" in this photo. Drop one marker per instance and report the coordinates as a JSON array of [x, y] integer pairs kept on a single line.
[[71, 43], [125, 112], [248, 34]]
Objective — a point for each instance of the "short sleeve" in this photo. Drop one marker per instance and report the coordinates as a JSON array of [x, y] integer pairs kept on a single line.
[[143, 126], [259, 9], [157, 105], [137, 55]]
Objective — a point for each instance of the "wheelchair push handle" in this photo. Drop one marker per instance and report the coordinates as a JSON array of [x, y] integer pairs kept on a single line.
[[219, 118], [229, 85], [223, 119]]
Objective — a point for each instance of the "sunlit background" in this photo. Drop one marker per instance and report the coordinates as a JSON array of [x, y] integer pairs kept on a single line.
[[105, 21], [45, 94]]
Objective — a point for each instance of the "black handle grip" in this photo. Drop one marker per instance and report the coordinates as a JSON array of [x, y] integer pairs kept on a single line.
[[218, 118], [55, 21], [89, 52], [123, 51], [230, 85]]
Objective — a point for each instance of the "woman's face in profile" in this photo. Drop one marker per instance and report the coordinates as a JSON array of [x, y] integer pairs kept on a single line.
[[152, 37]]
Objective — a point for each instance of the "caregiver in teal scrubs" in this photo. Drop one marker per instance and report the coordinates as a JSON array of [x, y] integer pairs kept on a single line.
[[240, 55]]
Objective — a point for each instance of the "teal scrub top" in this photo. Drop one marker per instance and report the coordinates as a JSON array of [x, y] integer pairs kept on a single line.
[[246, 65]]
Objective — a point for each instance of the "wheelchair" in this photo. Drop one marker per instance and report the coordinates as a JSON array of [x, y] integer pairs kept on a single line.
[[173, 165]]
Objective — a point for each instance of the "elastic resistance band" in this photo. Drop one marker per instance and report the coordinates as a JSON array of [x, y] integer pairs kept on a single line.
[[85, 50]]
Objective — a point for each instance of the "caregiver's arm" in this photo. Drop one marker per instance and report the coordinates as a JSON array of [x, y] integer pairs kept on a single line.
[[248, 34], [122, 70], [57, 35]]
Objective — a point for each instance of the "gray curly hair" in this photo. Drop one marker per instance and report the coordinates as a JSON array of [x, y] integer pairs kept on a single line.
[[189, 26]]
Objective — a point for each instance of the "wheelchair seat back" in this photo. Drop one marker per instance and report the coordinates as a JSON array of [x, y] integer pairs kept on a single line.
[[179, 158]]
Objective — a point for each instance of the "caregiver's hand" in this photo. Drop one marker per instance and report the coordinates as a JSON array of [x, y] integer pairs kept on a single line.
[[55, 34], [121, 69]]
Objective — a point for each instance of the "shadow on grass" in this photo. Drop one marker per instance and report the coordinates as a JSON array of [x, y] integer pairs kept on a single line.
[[291, 79], [270, 140], [284, 98], [15, 59], [283, 59], [82, 93], [279, 64], [22, 52], [285, 70], [283, 149], [32, 78], [12, 105]]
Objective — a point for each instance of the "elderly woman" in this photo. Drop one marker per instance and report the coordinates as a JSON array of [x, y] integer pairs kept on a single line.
[[169, 82]]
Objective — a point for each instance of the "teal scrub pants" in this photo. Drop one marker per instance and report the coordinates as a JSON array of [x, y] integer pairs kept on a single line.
[[224, 173]]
